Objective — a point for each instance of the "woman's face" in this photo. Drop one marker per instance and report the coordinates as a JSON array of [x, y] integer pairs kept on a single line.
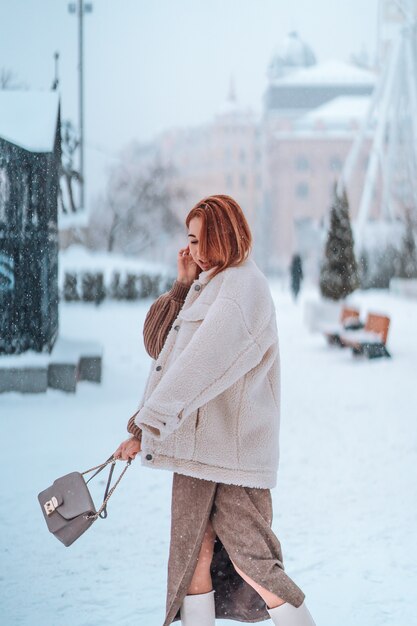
[[194, 230]]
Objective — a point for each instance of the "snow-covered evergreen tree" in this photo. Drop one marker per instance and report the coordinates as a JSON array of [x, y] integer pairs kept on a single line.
[[339, 271]]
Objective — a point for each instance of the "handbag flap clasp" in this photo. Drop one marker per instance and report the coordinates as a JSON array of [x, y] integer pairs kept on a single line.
[[51, 505]]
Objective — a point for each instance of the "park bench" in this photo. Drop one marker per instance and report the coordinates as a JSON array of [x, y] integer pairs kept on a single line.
[[371, 340], [349, 320]]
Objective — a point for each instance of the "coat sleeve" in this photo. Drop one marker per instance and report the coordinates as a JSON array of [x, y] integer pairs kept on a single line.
[[160, 317], [220, 352], [157, 325]]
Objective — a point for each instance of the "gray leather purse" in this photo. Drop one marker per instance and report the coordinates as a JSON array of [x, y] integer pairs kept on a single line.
[[68, 507]]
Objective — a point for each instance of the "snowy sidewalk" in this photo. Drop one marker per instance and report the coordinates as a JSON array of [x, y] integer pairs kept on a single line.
[[345, 507]]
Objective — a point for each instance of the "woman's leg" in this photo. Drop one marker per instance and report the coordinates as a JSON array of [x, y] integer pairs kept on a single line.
[[271, 600], [192, 501], [201, 581]]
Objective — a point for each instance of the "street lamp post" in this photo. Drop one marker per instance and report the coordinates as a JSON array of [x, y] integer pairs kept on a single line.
[[81, 8]]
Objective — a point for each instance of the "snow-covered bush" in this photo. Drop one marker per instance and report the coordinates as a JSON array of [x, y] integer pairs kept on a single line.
[[70, 290], [92, 287], [378, 266], [120, 287], [115, 291], [389, 251], [91, 276], [131, 287], [151, 286]]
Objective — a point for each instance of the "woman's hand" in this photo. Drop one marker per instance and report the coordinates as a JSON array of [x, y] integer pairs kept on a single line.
[[128, 449], [188, 270]]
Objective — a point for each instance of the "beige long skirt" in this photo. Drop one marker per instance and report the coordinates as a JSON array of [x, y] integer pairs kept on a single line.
[[241, 518]]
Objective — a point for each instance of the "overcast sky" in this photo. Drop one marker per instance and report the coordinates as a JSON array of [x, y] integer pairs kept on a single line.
[[152, 64]]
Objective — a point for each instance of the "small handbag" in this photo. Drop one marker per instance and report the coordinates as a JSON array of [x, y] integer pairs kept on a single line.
[[68, 507]]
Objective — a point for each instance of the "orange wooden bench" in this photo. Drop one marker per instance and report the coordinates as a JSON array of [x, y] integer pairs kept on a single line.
[[349, 320], [371, 341]]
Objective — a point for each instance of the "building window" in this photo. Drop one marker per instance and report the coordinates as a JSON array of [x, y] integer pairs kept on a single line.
[[242, 156], [258, 181], [336, 164], [229, 181], [228, 154], [301, 191], [301, 163], [243, 181]]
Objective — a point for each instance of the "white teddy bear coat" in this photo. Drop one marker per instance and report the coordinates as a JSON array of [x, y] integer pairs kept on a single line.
[[211, 405]]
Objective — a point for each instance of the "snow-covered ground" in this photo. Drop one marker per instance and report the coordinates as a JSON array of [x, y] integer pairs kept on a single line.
[[345, 507]]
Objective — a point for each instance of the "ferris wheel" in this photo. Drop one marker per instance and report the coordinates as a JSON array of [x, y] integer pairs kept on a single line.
[[390, 127]]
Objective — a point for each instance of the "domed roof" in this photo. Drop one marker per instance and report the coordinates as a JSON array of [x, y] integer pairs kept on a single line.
[[291, 54]]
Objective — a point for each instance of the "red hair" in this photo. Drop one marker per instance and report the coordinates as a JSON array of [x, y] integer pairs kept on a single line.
[[225, 236]]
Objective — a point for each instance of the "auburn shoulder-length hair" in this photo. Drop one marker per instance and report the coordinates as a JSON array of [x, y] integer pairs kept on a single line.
[[225, 237]]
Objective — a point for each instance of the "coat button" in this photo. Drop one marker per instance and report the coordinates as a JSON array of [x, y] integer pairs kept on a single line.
[[176, 327], [149, 457], [197, 287], [158, 368]]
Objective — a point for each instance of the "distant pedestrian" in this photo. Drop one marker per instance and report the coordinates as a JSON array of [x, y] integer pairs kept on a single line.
[[210, 412], [296, 272]]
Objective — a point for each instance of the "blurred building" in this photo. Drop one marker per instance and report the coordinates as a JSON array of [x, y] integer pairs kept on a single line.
[[312, 112], [281, 166], [223, 156]]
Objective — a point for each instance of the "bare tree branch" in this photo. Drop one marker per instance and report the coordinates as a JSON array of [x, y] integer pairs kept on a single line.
[[8, 79], [137, 208]]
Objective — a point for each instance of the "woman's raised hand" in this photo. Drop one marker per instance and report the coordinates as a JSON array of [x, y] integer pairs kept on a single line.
[[188, 270]]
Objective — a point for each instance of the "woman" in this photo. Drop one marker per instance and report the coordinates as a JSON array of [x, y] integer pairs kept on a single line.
[[210, 413]]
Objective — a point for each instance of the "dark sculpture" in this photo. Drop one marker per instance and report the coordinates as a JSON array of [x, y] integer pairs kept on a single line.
[[29, 183]]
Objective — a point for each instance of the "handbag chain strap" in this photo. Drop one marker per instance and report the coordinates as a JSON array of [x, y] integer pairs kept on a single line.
[[108, 494], [100, 467], [102, 512]]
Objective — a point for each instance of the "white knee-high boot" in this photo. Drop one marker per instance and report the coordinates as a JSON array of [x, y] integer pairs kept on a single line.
[[288, 615], [198, 610]]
